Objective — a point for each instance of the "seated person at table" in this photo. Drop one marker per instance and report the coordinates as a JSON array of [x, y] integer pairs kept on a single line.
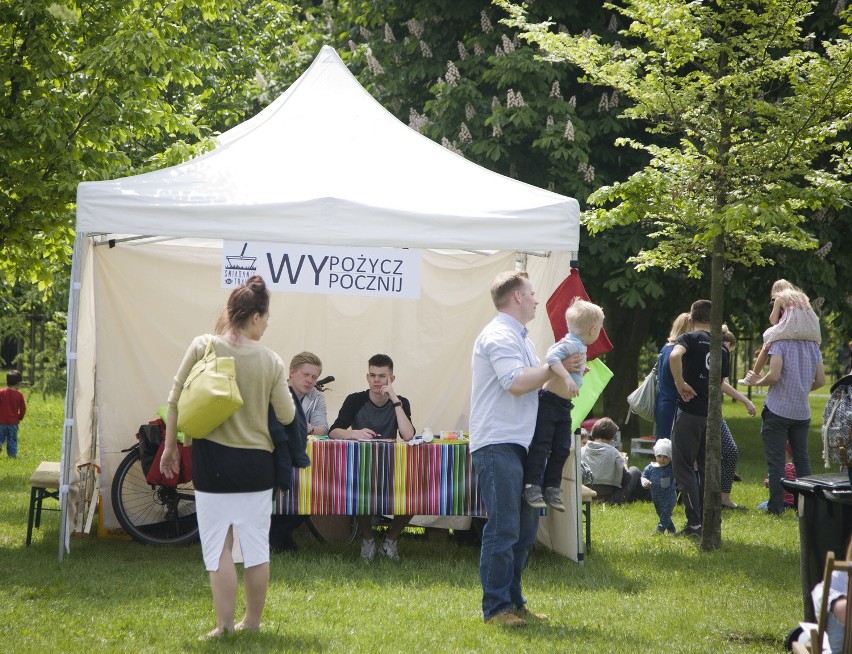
[[614, 481], [377, 412], [305, 369]]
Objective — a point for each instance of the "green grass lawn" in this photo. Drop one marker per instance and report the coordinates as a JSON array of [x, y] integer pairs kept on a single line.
[[636, 592]]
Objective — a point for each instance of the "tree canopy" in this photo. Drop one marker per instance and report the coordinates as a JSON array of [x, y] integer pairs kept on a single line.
[[102, 89], [98, 91], [752, 120]]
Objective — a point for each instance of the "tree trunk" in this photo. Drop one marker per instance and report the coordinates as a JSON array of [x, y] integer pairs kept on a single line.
[[712, 519], [628, 331]]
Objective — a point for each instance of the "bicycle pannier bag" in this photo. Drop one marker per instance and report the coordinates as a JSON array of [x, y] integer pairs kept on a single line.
[[210, 394], [150, 436], [157, 478]]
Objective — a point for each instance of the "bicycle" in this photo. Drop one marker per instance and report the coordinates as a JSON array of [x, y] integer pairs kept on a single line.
[[152, 514]]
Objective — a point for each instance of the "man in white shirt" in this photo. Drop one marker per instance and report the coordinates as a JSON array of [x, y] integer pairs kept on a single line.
[[504, 402]]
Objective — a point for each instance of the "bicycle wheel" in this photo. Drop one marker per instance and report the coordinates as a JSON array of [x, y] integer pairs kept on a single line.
[[153, 515], [333, 528]]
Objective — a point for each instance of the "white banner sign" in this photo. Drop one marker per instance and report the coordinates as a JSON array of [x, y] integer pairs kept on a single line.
[[324, 269]]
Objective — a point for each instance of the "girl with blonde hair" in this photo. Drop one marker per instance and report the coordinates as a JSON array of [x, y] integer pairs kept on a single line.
[[792, 319]]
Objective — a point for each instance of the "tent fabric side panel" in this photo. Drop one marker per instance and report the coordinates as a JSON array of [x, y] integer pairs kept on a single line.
[[153, 299]]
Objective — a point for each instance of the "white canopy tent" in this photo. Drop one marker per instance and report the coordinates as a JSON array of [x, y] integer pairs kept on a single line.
[[324, 164]]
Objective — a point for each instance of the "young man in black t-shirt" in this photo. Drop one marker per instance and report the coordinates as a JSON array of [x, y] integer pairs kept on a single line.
[[377, 412], [690, 366]]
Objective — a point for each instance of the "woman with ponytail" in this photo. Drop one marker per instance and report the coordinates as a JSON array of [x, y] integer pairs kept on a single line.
[[232, 467]]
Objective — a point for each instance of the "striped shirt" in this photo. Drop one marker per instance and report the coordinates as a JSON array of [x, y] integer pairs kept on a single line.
[[788, 397]]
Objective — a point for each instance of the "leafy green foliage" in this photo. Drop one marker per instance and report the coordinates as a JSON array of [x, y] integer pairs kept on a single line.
[[457, 75], [104, 89], [455, 72]]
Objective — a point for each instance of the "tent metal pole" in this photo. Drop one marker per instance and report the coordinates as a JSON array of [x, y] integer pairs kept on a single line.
[[578, 496], [70, 388]]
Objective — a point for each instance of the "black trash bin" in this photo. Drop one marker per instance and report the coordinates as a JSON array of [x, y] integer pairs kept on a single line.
[[825, 523]]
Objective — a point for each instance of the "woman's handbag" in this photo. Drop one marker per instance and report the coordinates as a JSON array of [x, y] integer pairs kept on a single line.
[[210, 394], [184, 476], [643, 400]]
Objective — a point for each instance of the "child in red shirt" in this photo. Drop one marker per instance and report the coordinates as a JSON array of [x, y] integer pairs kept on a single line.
[[13, 406]]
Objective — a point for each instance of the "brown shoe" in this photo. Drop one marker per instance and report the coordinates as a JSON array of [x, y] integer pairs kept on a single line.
[[506, 619], [525, 614]]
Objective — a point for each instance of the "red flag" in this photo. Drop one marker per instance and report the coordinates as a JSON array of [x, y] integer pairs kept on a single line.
[[560, 301]]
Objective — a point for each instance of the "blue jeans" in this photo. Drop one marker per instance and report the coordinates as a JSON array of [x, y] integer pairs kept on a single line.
[[776, 432], [9, 435], [511, 528]]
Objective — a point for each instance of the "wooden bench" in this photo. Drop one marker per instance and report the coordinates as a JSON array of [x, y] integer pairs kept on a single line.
[[644, 445], [44, 483]]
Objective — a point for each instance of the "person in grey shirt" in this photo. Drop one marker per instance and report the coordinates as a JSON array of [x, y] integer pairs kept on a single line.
[[305, 369], [377, 412]]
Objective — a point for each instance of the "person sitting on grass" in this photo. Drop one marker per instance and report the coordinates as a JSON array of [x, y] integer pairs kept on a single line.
[[835, 618], [615, 482], [790, 475]]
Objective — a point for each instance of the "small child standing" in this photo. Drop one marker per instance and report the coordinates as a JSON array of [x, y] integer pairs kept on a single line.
[[13, 406], [790, 475], [660, 477], [551, 443]]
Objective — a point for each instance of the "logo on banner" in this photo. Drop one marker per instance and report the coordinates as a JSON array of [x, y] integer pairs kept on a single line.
[[329, 270]]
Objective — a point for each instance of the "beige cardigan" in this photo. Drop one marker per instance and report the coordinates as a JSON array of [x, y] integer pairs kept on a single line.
[[262, 380]]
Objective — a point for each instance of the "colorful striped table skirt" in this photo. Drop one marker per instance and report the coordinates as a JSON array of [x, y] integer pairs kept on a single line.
[[364, 478]]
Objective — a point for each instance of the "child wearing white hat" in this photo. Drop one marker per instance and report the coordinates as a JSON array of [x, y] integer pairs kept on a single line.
[[659, 476]]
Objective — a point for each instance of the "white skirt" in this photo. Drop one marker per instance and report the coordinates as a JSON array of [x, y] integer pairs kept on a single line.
[[248, 513]]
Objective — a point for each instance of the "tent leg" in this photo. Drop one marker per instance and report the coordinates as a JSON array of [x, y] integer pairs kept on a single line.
[[71, 376]]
